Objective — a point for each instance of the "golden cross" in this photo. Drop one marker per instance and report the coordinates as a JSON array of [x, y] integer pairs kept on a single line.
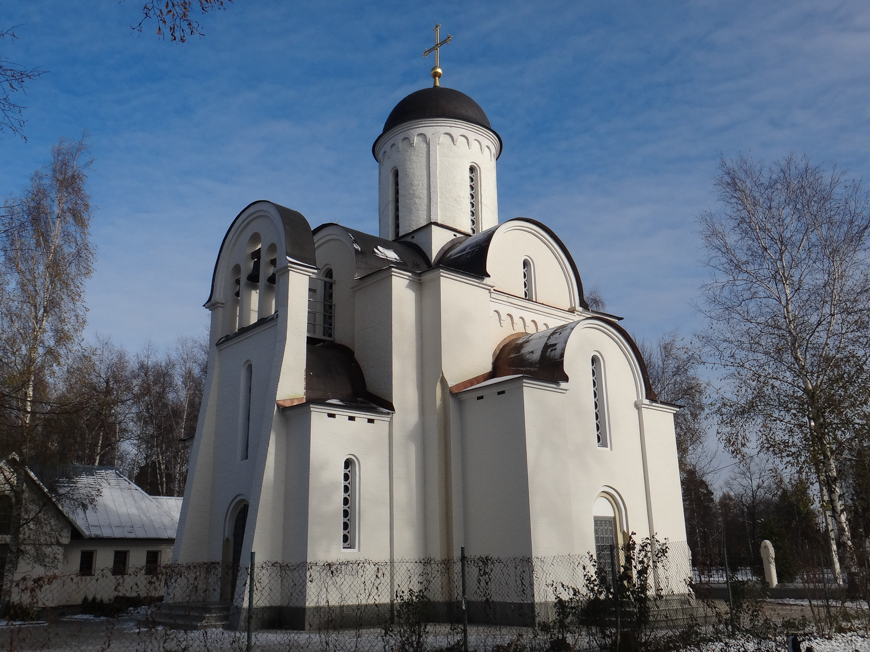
[[436, 71]]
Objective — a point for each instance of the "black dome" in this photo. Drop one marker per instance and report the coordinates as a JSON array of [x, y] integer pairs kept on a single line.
[[437, 102]]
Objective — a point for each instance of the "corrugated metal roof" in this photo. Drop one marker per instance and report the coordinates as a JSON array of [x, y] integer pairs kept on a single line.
[[122, 510]]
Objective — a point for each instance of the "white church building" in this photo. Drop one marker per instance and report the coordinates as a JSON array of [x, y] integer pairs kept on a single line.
[[442, 384]]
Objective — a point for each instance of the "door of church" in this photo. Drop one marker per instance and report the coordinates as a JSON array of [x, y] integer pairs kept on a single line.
[[233, 564]]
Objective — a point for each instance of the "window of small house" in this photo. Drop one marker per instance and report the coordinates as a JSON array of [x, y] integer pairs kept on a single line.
[[87, 562], [152, 562], [119, 562]]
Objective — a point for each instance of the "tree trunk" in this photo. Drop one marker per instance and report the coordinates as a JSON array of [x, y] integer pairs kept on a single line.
[[829, 528], [838, 510]]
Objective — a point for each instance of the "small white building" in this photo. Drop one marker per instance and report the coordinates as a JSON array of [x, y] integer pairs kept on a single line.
[[111, 541], [442, 384]]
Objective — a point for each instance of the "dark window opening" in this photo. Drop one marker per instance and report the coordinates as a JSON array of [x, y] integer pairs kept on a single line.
[[5, 515], [87, 562], [152, 562], [119, 562]]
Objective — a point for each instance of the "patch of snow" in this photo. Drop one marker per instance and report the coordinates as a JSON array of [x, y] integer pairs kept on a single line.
[[838, 643], [387, 254], [23, 623], [354, 242]]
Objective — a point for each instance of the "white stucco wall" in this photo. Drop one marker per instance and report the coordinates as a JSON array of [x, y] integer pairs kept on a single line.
[[365, 437], [495, 472], [553, 278]]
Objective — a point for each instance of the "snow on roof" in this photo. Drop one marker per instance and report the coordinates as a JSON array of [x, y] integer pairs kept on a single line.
[[122, 510]]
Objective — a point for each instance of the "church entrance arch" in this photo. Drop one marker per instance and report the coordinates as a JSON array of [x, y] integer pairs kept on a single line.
[[234, 539]]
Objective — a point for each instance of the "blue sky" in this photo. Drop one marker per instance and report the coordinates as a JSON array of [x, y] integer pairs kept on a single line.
[[613, 116]]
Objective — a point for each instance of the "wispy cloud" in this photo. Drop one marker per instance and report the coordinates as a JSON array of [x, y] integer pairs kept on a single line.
[[613, 118]]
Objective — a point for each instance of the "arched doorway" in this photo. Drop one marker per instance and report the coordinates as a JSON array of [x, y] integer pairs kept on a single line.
[[232, 556]]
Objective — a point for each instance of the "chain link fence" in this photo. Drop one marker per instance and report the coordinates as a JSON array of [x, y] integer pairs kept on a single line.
[[640, 593]]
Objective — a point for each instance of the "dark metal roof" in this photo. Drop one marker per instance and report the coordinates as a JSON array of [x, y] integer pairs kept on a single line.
[[331, 371], [298, 240], [437, 102], [470, 254], [373, 253], [542, 355], [333, 374], [539, 355]]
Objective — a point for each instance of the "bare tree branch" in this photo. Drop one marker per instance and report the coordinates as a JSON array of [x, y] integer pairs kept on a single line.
[[13, 79], [174, 17]]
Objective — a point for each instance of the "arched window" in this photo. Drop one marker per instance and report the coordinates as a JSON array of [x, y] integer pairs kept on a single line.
[[606, 527], [250, 284], [528, 279], [245, 438], [395, 204], [473, 192], [233, 302], [267, 289], [599, 403], [5, 514], [349, 505]]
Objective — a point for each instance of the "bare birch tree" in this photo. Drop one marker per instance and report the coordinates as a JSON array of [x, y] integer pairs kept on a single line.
[[788, 305], [46, 258], [673, 365], [168, 395], [13, 79]]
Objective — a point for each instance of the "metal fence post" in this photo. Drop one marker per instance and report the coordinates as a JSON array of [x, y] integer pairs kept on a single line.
[[250, 603], [464, 603]]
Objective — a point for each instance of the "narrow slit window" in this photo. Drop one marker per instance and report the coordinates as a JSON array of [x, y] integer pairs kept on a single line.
[[528, 279], [349, 505], [328, 304], [235, 300], [245, 443], [473, 192], [599, 403], [395, 204]]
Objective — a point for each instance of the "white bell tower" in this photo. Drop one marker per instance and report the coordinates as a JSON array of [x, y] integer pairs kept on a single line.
[[437, 167]]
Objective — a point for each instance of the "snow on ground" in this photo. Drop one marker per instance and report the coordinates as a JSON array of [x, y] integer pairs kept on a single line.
[[837, 643], [840, 643]]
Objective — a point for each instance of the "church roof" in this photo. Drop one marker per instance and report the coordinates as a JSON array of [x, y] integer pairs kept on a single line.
[[437, 102], [542, 355], [469, 254], [333, 376], [372, 253], [332, 372]]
